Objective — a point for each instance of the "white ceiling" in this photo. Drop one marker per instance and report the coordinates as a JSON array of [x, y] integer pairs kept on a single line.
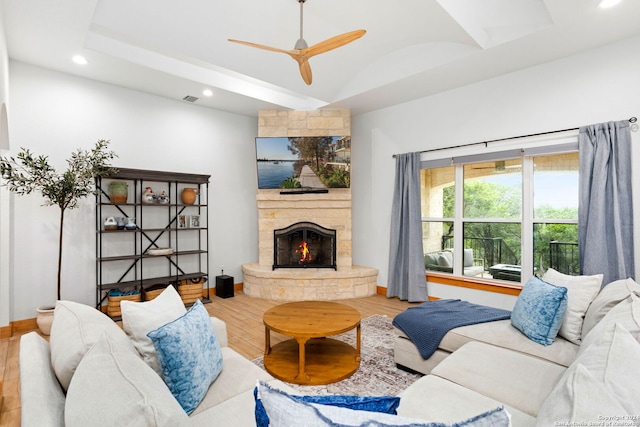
[[412, 48]]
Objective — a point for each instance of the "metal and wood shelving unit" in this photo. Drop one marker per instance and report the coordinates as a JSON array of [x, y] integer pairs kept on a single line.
[[123, 261]]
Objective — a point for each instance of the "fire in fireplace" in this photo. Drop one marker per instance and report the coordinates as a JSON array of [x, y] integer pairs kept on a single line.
[[304, 244]]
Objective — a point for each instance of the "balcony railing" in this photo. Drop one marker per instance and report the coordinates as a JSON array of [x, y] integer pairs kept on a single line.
[[493, 250], [563, 257]]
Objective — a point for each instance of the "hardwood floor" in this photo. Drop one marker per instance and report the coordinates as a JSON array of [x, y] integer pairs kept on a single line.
[[242, 314]]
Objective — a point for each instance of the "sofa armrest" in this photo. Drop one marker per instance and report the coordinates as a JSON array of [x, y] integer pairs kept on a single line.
[[220, 329], [41, 397]]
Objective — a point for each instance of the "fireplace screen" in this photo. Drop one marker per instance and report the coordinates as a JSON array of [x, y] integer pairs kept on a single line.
[[304, 244]]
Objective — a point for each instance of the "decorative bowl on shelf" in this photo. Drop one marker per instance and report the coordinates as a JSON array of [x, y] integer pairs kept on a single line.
[[160, 251]]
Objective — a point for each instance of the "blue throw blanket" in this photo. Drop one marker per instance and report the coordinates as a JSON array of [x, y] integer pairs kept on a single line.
[[427, 323]]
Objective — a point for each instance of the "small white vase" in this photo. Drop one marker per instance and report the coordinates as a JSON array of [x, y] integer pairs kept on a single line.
[[44, 319]]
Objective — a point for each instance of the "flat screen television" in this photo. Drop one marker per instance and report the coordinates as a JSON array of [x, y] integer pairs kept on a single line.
[[315, 163]]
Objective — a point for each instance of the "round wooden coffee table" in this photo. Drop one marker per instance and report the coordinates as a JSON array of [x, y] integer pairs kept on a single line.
[[310, 358]]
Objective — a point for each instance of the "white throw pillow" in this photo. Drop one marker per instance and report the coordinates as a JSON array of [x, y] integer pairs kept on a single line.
[[114, 387], [609, 297], [76, 328], [601, 382], [614, 360], [140, 318], [627, 313], [578, 398], [581, 290]]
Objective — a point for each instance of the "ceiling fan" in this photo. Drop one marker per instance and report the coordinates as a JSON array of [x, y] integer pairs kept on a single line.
[[301, 52]]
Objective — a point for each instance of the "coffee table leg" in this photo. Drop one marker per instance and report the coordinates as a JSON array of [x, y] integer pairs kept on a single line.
[[358, 343], [302, 375], [267, 341]]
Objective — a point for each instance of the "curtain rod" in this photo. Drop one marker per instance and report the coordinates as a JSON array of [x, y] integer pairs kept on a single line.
[[631, 120]]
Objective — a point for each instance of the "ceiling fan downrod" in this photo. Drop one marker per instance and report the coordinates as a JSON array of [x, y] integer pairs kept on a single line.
[[301, 43]]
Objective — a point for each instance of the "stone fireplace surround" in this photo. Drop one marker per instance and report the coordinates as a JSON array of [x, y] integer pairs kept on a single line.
[[331, 210]]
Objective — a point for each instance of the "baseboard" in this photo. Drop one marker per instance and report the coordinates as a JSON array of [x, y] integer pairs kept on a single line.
[[18, 327], [381, 290], [5, 332]]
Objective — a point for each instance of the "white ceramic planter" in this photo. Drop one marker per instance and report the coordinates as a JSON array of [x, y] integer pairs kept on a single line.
[[44, 318]]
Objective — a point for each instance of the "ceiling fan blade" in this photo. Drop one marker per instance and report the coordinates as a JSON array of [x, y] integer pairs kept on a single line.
[[334, 42], [305, 71], [261, 46]]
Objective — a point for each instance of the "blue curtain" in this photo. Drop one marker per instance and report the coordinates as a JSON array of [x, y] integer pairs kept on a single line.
[[406, 258], [605, 212]]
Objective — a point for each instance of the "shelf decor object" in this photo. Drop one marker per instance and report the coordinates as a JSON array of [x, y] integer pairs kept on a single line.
[[118, 192], [162, 245], [114, 297], [189, 195]]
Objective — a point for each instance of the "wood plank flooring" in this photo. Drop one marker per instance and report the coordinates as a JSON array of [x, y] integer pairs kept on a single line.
[[242, 314]]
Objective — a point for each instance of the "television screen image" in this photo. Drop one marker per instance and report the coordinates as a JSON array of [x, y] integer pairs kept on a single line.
[[318, 162]]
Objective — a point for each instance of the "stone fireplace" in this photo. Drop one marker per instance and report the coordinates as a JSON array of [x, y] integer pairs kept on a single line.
[[330, 210]]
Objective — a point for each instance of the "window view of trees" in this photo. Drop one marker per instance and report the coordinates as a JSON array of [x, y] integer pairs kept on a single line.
[[492, 214]]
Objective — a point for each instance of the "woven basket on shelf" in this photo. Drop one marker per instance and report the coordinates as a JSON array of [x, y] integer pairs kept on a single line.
[[153, 292], [113, 303], [191, 289]]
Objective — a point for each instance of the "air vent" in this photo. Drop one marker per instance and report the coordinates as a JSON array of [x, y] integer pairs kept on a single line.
[[190, 98]]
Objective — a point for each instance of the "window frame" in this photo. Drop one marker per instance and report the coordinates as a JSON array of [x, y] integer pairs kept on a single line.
[[528, 149]]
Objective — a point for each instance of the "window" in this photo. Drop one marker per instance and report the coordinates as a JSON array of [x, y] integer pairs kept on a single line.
[[510, 216]]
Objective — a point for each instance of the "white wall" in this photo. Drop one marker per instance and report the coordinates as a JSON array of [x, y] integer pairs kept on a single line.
[[54, 114], [5, 213], [596, 86]]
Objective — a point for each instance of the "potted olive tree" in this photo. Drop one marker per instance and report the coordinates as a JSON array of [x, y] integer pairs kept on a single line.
[[27, 173]]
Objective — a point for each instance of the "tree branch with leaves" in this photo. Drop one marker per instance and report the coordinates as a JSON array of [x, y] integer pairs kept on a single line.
[[27, 173]]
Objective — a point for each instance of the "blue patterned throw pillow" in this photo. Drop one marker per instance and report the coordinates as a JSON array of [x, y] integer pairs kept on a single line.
[[284, 411], [383, 404], [189, 355], [539, 310]]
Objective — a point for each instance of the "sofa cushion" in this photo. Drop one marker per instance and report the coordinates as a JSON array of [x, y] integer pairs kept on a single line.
[[283, 410], [539, 310], [626, 312], [114, 387], [502, 334], [581, 290], [237, 376], [189, 355], [140, 318], [41, 397], [610, 296], [445, 259], [76, 328], [513, 378], [437, 399], [468, 257]]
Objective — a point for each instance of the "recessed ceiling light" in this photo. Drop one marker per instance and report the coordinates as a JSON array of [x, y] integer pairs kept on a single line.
[[80, 60], [605, 4], [207, 92]]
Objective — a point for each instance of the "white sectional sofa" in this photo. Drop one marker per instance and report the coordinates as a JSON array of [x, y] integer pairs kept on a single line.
[[91, 374], [486, 365]]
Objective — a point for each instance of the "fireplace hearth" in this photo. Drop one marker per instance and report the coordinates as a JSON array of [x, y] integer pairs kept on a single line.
[[304, 244]]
